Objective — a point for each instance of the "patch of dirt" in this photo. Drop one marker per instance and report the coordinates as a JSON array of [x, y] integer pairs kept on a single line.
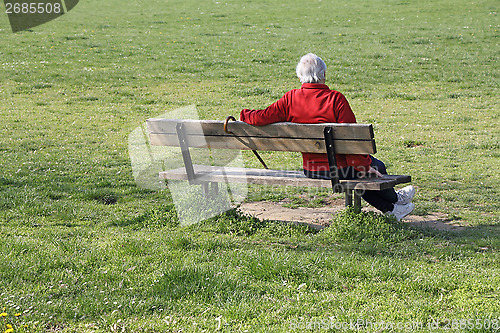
[[319, 218]]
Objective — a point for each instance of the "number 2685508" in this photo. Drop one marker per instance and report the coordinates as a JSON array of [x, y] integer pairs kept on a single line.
[[33, 8]]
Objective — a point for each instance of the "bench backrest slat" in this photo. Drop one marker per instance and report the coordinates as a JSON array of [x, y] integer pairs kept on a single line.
[[349, 138]]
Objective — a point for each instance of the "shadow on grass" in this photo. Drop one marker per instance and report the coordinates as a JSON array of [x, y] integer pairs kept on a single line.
[[367, 233], [375, 235]]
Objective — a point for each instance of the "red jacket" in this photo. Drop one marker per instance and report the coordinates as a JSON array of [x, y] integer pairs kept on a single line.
[[312, 103]]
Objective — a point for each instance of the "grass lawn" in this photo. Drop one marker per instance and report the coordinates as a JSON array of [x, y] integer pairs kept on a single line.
[[84, 249]]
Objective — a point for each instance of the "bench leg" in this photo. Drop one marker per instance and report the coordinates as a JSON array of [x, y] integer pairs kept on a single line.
[[348, 198], [205, 189], [214, 188], [353, 198], [210, 189], [357, 199]]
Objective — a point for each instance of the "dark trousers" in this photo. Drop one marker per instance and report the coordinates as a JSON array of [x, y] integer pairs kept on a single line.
[[382, 200]]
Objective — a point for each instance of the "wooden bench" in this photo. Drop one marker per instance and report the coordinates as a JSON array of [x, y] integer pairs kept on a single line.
[[330, 138]]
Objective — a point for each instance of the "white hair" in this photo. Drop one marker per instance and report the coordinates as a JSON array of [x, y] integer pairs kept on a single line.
[[311, 69]]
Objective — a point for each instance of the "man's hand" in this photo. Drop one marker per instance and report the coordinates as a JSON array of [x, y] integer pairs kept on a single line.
[[372, 173]]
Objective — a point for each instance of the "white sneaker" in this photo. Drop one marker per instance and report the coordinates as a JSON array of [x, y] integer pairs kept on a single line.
[[405, 195], [400, 211]]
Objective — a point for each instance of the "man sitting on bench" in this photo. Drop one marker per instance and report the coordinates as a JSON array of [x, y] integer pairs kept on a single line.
[[314, 102]]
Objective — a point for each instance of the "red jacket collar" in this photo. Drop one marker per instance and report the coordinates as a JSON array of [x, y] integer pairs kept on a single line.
[[314, 86]]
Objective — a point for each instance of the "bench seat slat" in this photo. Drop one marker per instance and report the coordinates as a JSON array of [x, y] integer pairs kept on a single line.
[[278, 177], [265, 144]]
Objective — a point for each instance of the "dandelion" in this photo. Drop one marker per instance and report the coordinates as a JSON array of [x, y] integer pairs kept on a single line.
[[9, 330], [3, 314], [17, 314]]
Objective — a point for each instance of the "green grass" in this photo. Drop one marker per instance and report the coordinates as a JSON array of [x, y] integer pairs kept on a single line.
[[84, 249]]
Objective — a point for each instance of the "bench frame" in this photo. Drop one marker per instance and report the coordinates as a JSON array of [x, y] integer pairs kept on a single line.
[[209, 176]]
